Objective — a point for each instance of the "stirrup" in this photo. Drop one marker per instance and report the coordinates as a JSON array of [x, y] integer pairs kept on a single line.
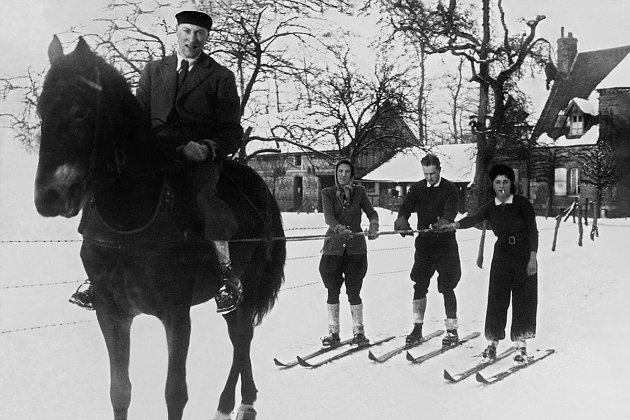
[[230, 292], [84, 296]]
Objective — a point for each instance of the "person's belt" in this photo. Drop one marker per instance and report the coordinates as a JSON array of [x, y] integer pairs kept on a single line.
[[512, 239]]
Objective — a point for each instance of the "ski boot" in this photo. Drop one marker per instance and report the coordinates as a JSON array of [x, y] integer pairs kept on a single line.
[[451, 339], [331, 340], [360, 340], [521, 356], [490, 353], [415, 335]]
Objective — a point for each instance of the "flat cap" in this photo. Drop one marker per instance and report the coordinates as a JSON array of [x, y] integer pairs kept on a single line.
[[194, 18]]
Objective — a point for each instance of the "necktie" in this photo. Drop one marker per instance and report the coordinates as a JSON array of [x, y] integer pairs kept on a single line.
[[181, 75]]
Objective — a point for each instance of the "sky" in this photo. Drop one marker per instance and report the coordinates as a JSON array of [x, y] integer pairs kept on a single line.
[[25, 34]]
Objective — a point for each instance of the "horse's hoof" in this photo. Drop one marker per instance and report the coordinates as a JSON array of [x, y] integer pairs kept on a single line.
[[221, 416], [246, 412]]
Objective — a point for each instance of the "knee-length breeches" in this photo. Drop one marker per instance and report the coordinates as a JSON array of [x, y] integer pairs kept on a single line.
[[509, 281], [339, 269], [433, 254]]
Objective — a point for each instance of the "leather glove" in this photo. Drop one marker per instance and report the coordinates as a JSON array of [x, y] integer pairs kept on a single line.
[[212, 148], [402, 224], [342, 230], [194, 151], [373, 230]]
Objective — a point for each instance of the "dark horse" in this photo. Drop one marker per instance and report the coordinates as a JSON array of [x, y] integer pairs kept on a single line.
[[140, 243]]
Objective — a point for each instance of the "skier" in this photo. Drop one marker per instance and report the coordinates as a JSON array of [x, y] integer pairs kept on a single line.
[[514, 266], [344, 255], [435, 200]]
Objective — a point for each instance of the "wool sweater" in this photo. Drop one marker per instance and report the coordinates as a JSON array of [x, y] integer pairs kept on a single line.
[[430, 203], [516, 219]]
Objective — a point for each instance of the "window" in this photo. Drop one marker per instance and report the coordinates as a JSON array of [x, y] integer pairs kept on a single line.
[[574, 181], [576, 125], [298, 161], [560, 181]]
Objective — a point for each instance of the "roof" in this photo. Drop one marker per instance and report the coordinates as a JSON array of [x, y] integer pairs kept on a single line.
[[457, 160], [588, 71], [587, 139]]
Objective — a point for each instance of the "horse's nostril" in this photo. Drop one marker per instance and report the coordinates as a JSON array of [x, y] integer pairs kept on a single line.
[[46, 202]]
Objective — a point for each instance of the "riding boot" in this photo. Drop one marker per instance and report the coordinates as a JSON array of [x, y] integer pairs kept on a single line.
[[230, 290], [84, 296]]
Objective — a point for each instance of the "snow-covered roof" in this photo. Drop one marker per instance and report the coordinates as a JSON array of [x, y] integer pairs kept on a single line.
[[588, 106], [457, 160], [588, 139], [619, 77]]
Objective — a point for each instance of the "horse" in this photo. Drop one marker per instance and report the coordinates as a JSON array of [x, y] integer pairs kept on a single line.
[[141, 245]]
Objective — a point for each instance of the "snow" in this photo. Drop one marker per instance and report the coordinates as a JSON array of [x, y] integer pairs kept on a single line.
[[588, 106], [54, 363], [588, 139], [457, 161], [618, 77]]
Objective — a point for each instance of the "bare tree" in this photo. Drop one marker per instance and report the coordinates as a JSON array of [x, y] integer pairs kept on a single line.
[[351, 111], [598, 167], [495, 56]]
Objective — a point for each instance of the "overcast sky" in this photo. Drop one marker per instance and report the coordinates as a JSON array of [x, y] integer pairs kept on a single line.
[[26, 30]]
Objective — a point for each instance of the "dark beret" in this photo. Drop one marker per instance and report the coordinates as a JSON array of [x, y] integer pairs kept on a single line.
[[194, 18]]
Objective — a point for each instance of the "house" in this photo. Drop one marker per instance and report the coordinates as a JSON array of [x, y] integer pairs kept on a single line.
[[589, 102], [388, 184], [297, 177]]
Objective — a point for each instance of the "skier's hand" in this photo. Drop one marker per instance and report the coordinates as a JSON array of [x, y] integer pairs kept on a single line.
[[194, 151], [373, 230], [532, 266], [440, 224], [342, 230], [402, 224]]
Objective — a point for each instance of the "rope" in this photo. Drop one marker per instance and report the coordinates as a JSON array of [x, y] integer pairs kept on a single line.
[[39, 327]]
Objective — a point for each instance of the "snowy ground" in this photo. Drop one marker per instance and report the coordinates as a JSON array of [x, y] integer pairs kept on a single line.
[[54, 364]]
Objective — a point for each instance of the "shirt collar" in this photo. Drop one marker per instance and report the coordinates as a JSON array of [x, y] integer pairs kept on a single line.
[[498, 202], [437, 184], [191, 61]]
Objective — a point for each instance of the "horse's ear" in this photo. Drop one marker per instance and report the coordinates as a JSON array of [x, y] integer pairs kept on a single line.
[[55, 50], [82, 47]]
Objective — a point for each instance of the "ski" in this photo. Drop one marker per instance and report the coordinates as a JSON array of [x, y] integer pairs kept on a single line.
[[425, 357], [344, 353], [311, 355], [397, 350], [465, 374], [504, 374]]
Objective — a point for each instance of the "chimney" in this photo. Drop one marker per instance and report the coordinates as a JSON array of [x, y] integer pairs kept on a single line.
[[567, 50]]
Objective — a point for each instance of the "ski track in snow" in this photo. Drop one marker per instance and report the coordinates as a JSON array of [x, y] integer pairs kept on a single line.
[[61, 372]]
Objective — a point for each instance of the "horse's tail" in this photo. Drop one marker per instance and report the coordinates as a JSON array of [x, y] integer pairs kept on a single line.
[[275, 256]]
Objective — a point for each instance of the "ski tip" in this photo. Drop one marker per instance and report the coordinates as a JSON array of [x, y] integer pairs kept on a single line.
[[371, 356], [303, 362], [410, 357], [479, 377], [448, 376], [278, 362]]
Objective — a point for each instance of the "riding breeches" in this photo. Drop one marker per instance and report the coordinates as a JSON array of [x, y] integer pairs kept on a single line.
[[339, 269], [217, 217]]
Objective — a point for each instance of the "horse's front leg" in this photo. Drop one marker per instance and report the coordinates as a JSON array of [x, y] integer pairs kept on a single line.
[[241, 332], [177, 325], [116, 331]]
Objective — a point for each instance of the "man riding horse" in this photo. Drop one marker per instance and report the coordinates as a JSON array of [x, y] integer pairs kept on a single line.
[[195, 117]]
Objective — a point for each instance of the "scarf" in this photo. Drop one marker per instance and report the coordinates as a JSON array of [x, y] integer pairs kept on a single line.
[[343, 193]]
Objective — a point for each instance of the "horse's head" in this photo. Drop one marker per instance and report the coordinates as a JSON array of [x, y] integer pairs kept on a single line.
[[77, 127]]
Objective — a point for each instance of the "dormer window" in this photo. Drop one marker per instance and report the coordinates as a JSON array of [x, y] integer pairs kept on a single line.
[[576, 125]]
